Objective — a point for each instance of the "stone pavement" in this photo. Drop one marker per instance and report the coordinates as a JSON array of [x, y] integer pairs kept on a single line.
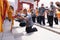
[[56, 28], [43, 33]]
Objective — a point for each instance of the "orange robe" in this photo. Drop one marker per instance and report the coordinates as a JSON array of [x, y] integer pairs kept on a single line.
[[36, 12], [5, 8], [1, 13], [58, 14]]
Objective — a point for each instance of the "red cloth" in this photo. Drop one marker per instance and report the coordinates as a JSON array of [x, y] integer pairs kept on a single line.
[[4, 9]]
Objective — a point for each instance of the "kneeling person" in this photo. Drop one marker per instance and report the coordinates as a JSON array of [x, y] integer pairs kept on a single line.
[[29, 22]]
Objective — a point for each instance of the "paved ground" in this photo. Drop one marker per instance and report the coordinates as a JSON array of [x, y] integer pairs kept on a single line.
[[56, 28], [19, 33]]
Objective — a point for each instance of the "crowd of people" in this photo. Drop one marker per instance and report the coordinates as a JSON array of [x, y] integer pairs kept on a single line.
[[51, 15], [39, 14]]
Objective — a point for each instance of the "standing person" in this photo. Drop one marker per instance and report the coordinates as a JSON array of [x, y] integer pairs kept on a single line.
[[10, 15], [51, 14], [47, 12], [42, 14], [37, 11], [50, 18], [54, 12], [55, 17], [33, 14]]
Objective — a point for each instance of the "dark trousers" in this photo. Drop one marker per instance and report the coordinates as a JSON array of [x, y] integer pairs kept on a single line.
[[47, 18], [56, 20], [30, 29], [37, 19], [42, 19], [33, 19], [50, 20]]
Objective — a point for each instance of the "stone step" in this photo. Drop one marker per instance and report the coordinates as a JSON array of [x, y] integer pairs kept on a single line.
[[56, 28]]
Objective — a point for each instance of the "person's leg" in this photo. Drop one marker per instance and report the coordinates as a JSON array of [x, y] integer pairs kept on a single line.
[[12, 24], [28, 29], [40, 19], [56, 20], [51, 21], [37, 19], [43, 20], [47, 18], [33, 18]]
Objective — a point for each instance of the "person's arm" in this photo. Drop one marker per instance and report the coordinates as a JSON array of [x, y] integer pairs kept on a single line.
[[44, 12], [22, 18]]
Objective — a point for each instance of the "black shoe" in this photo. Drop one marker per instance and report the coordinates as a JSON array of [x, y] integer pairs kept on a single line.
[[57, 24], [51, 26]]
